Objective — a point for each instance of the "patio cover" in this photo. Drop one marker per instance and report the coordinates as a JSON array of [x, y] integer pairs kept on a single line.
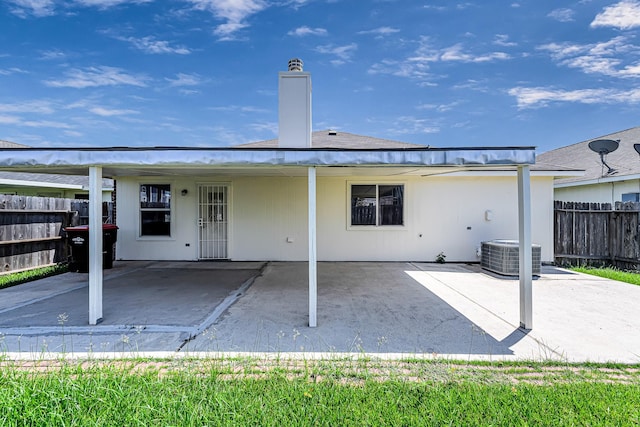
[[185, 161]]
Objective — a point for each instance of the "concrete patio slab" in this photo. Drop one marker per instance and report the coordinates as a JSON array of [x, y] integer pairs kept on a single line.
[[387, 309]]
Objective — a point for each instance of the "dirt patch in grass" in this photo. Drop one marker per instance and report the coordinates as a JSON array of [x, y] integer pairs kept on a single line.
[[346, 371]]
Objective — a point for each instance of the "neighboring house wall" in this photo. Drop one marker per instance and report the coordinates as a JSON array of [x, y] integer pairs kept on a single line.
[[49, 192], [607, 192], [268, 218]]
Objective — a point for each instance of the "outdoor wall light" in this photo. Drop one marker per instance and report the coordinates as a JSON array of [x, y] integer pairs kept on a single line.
[[184, 192]]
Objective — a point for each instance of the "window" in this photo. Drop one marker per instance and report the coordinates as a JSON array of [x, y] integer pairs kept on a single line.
[[631, 197], [155, 210], [377, 205]]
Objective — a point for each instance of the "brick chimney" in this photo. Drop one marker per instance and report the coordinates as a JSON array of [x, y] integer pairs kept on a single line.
[[294, 106]]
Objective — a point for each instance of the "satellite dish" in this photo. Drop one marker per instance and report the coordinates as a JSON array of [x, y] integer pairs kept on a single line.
[[604, 147], [637, 147]]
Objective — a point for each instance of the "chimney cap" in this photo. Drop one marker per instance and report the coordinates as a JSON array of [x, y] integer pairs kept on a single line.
[[295, 64]]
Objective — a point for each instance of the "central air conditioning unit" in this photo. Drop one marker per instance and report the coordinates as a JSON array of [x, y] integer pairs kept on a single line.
[[503, 257]]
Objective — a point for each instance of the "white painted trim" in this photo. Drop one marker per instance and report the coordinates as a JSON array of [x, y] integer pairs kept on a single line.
[[229, 186], [377, 182], [490, 172], [313, 252], [172, 210], [524, 237], [95, 245]]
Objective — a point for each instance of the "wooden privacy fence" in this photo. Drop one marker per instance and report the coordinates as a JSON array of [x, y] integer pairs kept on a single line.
[[597, 234], [32, 229]]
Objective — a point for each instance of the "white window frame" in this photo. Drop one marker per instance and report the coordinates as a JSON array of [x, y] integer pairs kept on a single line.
[[171, 210], [377, 183]]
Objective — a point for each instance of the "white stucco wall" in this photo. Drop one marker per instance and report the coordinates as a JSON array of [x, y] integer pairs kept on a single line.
[[608, 192], [269, 219]]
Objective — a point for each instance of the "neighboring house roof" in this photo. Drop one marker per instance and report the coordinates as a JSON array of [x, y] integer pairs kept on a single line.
[[344, 140], [624, 160], [24, 179], [27, 179], [8, 144]]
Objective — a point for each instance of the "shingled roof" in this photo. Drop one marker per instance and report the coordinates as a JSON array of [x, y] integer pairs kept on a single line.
[[9, 144], [624, 160], [335, 139]]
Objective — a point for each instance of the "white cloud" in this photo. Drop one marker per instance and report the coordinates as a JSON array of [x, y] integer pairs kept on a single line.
[[623, 15], [440, 108], [297, 3], [415, 70], [183, 79], [606, 58], [503, 40], [409, 125], [12, 70], [462, 6], [37, 8], [235, 12], [240, 108], [381, 31], [41, 107], [105, 4], [417, 66], [562, 14], [73, 133], [108, 112], [455, 53], [265, 127], [152, 46], [45, 124], [534, 97], [306, 31], [343, 53], [427, 53], [18, 121], [9, 120], [97, 76], [52, 54], [188, 92]]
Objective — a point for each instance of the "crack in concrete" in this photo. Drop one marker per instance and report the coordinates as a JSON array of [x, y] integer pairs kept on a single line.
[[221, 308]]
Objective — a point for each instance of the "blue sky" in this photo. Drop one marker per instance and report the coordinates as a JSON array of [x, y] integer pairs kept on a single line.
[[204, 72]]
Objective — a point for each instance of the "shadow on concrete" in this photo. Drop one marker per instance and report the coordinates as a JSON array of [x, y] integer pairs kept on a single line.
[[362, 307], [139, 297]]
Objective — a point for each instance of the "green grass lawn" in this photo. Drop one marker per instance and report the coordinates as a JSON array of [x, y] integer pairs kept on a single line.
[[12, 279], [183, 392], [611, 273]]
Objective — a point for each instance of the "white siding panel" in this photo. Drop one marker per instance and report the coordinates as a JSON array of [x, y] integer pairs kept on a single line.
[[269, 219], [608, 192], [183, 218], [443, 214]]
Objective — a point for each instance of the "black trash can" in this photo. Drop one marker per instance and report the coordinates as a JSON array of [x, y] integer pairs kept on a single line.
[[78, 238]]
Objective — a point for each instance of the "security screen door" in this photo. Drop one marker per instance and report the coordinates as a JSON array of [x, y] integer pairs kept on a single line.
[[213, 221]]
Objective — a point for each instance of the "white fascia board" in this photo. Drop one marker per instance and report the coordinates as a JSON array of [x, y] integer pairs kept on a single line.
[[21, 183], [189, 158], [490, 172], [597, 181]]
